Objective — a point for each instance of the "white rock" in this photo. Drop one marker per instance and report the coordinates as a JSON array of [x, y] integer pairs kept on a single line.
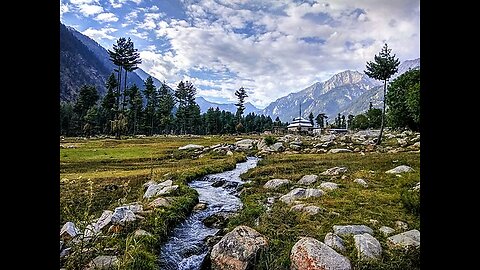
[[361, 182], [400, 169], [401, 225], [191, 147], [367, 246], [69, 230], [154, 189], [311, 254], [301, 193], [334, 241], [406, 239], [334, 171], [339, 150], [328, 185], [308, 179], [103, 262], [276, 183], [386, 230], [351, 229]]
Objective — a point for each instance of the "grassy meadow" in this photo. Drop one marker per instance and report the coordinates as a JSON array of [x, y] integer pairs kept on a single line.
[[386, 200]]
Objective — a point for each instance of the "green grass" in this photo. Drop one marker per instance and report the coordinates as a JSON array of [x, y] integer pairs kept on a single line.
[[382, 201], [101, 174]]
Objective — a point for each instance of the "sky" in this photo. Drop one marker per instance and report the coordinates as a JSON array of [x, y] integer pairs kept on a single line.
[[270, 47]]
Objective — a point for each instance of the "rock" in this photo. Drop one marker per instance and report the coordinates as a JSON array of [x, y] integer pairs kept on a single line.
[[68, 231], [270, 200], [136, 207], [311, 209], [167, 190], [218, 183], [159, 202], [200, 207], [149, 183], [276, 183], [339, 150], [141, 233], [295, 147], [103, 262], [154, 189], [334, 241], [374, 222], [367, 246], [308, 179], [277, 147], [301, 193], [402, 226], [386, 230], [328, 186], [334, 171], [262, 145], [311, 254], [416, 145], [400, 169], [351, 229], [406, 239], [326, 138], [191, 147], [361, 182], [238, 249], [218, 220], [402, 142], [229, 153], [245, 144], [122, 214]]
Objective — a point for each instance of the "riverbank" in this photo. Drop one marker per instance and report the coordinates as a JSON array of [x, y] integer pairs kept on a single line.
[[101, 175]]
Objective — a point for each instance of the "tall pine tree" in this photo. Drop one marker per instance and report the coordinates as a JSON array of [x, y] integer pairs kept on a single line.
[[382, 68]]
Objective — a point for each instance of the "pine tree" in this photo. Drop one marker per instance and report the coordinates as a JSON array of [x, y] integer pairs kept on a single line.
[[117, 56], [320, 119], [109, 101], [350, 121], [135, 106], [86, 99], [131, 60], [382, 68], [166, 103], [151, 97], [241, 95]]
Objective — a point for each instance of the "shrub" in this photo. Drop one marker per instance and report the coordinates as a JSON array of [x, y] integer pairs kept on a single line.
[[411, 201], [269, 140]]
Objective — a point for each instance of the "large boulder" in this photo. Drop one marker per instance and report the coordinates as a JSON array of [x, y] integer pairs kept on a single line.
[[159, 202], [103, 262], [310, 209], [334, 241], [191, 147], [308, 179], [334, 171], [386, 230], [367, 246], [238, 249], [245, 144], [69, 231], [351, 229], [400, 169], [276, 183], [154, 189], [301, 193], [277, 147], [406, 239], [311, 254]]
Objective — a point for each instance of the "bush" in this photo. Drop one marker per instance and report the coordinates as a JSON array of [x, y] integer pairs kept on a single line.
[[269, 140], [411, 201]]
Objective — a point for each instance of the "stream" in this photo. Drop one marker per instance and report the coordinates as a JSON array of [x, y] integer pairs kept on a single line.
[[186, 248]]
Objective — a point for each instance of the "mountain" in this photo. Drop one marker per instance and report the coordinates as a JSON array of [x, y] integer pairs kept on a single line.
[[328, 97], [230, 107], [361, 104], [348, 92], [84, 61]]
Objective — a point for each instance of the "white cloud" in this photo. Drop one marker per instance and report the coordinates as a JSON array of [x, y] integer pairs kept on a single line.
[[137, 1], [117, 3], [142, 35], [79, 2], [98, 34], [107, 17], [89, 10], [64, 8]]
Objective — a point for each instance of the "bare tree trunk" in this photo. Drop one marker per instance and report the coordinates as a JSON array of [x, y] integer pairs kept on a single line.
[[379, 140], [124, 89]]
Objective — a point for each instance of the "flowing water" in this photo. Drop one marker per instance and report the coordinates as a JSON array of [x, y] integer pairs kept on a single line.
[[186, 248]]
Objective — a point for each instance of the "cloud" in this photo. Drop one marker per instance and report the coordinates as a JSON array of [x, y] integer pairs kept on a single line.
[[89, 10], [106, 17], [103, 33]]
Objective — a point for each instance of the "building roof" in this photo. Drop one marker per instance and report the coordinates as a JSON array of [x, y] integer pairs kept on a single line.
[[300, 122]]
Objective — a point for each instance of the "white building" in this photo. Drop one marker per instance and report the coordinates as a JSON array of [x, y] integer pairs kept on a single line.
[[300, 125]]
